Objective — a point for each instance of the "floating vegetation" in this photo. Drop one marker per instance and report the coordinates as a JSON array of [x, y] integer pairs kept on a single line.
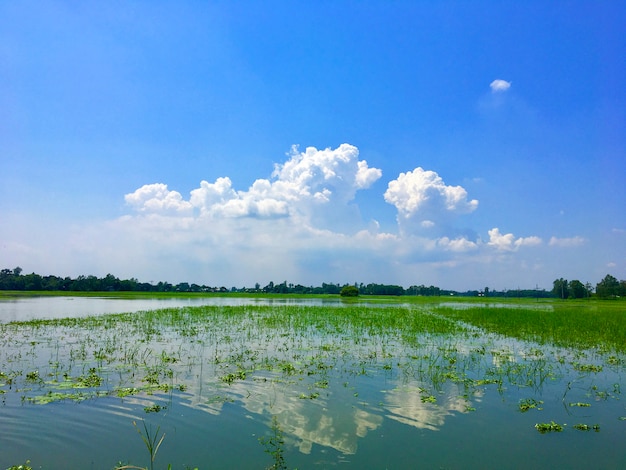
[[587, 367], [548, 427], [529, 404], [24, 466], [586, 427], [154, 408]]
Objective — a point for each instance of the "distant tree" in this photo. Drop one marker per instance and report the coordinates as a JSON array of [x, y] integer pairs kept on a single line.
[[577, 289], [183, 287], [608, 287], [349, 291], [17, 271], [560, 289], [32, 282]]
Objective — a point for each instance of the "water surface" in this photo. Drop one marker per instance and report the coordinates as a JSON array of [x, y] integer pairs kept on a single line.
[[352, 387]]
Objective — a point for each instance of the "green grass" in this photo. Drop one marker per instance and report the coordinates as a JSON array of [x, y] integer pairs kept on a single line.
[[582, 324]]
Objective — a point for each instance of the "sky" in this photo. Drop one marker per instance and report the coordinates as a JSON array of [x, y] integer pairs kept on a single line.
[[458, 144]]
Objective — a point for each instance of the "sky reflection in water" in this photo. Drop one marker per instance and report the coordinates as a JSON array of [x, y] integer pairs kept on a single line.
[[337, 390]]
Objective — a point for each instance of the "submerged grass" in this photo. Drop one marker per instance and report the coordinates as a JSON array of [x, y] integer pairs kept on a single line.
[[582, 324]]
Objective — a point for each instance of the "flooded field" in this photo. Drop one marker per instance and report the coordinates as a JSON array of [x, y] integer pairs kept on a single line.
[[309, 386]]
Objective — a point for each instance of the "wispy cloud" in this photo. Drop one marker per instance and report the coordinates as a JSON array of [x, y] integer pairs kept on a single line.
[[566, 242], [498, 86]]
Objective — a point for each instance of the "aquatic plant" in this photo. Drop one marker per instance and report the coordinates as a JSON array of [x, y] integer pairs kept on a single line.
[[586, 427], [24, 466], [274, 445], [529, 404], [151, 440], [548, 427]]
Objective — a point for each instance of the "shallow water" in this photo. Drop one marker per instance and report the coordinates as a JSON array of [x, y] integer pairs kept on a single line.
[[46, 307], [341, 387]]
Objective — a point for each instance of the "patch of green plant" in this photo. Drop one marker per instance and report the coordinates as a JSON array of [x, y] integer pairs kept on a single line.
[[428, 399], [569, 324], [529, 404], [91, 380], [548, 427], [52, 397], [151, 440], [33, 376], [586, 427], [485, 382], [156, 408], [587, 367], [274, 446], [126, 391], [24, 466], [230, 378]]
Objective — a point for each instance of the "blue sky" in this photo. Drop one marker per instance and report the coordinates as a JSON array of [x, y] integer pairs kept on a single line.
[[460, 144]]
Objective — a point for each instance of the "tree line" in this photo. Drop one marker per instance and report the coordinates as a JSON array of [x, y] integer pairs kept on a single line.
[[13, 279], [608, 287]]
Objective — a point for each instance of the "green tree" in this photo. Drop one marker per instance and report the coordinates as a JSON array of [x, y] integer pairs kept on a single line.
[[608, 287], [560, 288], [577, 289], [349, 291]]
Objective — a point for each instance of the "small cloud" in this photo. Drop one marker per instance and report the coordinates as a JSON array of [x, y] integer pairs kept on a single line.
[[566, 242], [460, 244], [499, 86], [508, 242], [157, 198], [618, 230]]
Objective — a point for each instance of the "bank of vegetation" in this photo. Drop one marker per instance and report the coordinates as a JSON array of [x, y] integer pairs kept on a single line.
[[15, 280]]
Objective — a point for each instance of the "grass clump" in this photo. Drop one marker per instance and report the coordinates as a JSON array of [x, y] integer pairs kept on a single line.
[[548, 427]]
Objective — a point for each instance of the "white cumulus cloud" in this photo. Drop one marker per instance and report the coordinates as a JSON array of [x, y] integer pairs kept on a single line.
[[508, 242], [423, 199], [302, 185], [459, 244], [324, 174], [498, 86], [157, 198]]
